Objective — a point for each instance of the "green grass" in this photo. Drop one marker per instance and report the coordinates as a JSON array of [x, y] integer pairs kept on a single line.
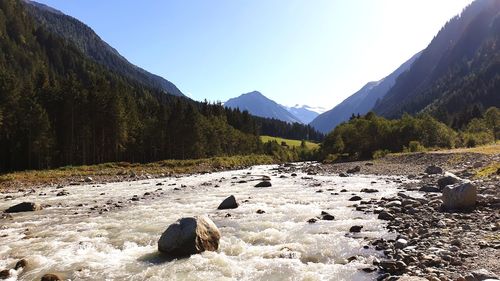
[[290, 143], [113, 171], [487, 171]]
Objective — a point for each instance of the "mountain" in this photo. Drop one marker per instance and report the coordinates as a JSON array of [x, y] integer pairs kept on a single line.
[[259, 105], [305, 113], [457, 75], [360, 102], [88, 42]]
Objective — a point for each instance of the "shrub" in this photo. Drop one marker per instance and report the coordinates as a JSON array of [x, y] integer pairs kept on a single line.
[[415, 146], [380, 153]]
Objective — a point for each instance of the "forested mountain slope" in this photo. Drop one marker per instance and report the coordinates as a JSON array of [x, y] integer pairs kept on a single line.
[[88, 42], [458, 74]]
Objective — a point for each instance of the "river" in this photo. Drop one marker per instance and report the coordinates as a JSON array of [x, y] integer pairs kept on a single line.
[[85, 236]]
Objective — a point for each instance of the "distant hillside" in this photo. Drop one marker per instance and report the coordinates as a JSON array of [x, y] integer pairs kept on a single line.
[[457, 75], [360, 102], [304, 113], [259, 105], [94, 47]]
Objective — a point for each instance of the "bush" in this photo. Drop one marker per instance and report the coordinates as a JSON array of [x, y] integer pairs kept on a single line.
[[380, 153], [415, 146]]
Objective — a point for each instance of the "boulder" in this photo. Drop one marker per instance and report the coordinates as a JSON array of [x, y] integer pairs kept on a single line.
[[264, 184], [4, 274], [327, 216], [343, 175], [369, 190], [356, 169], [228, 203], [355, 198], [459, 196], [428, 188], [88, 179], [21, 264], [24, 207], [355, 228], [448, 180], [433, 169], [51, 277], [385, 216], [188, 236], [483, 274]]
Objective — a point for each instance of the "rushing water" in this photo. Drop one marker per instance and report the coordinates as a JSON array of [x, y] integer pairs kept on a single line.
[[120, 244]]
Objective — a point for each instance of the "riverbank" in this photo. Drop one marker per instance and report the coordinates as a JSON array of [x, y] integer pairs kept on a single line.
[[433, 243], [123, 171]]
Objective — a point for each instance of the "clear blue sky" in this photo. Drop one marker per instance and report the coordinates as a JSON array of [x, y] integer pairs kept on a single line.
[[315, 52]]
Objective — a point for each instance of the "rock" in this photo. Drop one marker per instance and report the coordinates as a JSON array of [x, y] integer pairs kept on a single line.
[[4, 274], [355, 198], [228, 203], [356, 169], [401, 244], [21, 264], [428, 188], [343, 175], [483, 274], [62, 193], [355, 228], [24, 207], [51, 277], [191, 235], [385, 216], [433, 169], [448, 180], [88, 179], [411, 278], [264, 184], [369, 190], [259, 211], [459, 196], [392, 266], [326, 216], [313, 220]]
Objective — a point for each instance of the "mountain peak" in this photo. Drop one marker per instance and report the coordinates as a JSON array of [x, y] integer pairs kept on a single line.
[[259, 105]]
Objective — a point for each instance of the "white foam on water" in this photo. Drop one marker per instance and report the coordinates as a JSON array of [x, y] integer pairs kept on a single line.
[[121, 244]]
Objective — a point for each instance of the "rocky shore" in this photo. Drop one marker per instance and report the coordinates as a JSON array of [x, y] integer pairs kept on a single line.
[[433, 242]]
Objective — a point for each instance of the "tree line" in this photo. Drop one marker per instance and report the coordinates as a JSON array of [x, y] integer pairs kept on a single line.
[[368, 136]]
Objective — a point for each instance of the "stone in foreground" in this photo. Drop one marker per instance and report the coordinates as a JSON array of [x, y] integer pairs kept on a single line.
[[228, 203], [188, 236], [459, 196], [24, 207]]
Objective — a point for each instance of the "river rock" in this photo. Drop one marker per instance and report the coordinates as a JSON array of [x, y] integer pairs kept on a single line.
[[21, 264], [228, 203], [355, 228], [411, 278], [264, 184], [51, 277], [355, 198], [343, 175], [448, 180], [428, 188], [385, 216], [4, 274], [24, 207], [326, 216], [88, 179], [483, 274], [191, 235], [356, 169], [459, 196], [433, 169], [369, 190]]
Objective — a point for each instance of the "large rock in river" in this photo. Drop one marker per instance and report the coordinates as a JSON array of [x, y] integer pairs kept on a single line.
[[189, 236], [228, 203], [24, 207], [459, 196]]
